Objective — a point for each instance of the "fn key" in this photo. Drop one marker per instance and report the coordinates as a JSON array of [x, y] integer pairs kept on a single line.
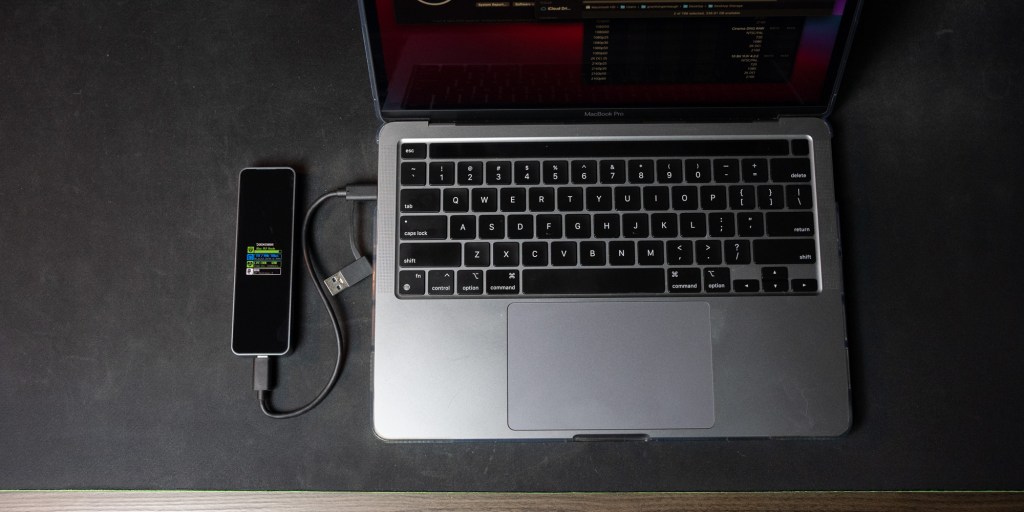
[[412, 282]]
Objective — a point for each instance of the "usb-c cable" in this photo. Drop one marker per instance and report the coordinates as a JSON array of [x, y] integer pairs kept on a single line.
[[349, 275]]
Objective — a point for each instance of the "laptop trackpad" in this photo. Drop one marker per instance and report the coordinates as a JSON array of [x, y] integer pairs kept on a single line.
[[610, 365]]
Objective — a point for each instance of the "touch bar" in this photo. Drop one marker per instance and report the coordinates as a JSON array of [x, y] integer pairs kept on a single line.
[[605, 149]]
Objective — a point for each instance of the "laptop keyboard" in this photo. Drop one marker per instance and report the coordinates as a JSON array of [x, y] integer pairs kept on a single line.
[[599, 218]]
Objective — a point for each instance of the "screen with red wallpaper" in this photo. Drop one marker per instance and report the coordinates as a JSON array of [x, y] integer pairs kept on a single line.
[[598, 54]]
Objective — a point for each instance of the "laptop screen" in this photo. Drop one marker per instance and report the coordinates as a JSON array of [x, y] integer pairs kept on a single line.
[[607, 58]]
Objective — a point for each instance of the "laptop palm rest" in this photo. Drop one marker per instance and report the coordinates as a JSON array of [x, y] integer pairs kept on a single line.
[[609, 366]]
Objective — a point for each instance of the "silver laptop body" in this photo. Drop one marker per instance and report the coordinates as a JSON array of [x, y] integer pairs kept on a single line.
[[553, 348]]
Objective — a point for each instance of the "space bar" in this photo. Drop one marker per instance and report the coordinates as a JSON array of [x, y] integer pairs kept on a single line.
[[576, 281]]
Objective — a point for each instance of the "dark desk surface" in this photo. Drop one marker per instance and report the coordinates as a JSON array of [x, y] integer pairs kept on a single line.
[[123, 126]]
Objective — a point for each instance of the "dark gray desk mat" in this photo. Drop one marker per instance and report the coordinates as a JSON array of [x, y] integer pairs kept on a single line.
[[123, 126]]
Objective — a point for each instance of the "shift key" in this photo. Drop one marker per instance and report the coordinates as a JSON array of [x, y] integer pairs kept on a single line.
[[446, 254], [784, 251]]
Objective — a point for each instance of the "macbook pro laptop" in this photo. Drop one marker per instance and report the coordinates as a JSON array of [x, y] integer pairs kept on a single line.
[[607, 219]]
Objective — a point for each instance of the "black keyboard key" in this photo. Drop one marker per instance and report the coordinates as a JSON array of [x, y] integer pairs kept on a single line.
[[549, 226], [789, 223], [577, 226], [485, 199], [413, 151], [477, 254], [641, 171], [680, 252], [613, 171], [755, 170], [502, 282], [684, 280], [621, 253], [492, 227], [470, 282], [709, 252], [456, 199], [769, 197], [791, 169], [656, 198], [412, 282], [801, 147], [698, 170], [693, 225], [442, 173], [664, 225], [441, 282], [717, 280], [430, 254], [606, 225], [584, 171], [799, 197], [423, 227], [556, 172], [746, 285], [570, 199], [774, 273], [805, 285], [499, 173], [592, 254], [599, 199], [775, 285], [750, 224], [471, 173], [636, 225], [419, 200], [542, 199], [513, 199], [535, 254], [650, 252], [527, 172], [670, 171], [737, 252], [727, 170], [784, 251], [505, 254], [722, 224], [413, 173], [563, 254], [742, 197], [685, 198], [593, 281], [463, 227], [627, 198], [520, 227], [713, 197]]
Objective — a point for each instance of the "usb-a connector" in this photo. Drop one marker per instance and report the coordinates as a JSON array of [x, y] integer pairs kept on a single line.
[[348, 276]]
